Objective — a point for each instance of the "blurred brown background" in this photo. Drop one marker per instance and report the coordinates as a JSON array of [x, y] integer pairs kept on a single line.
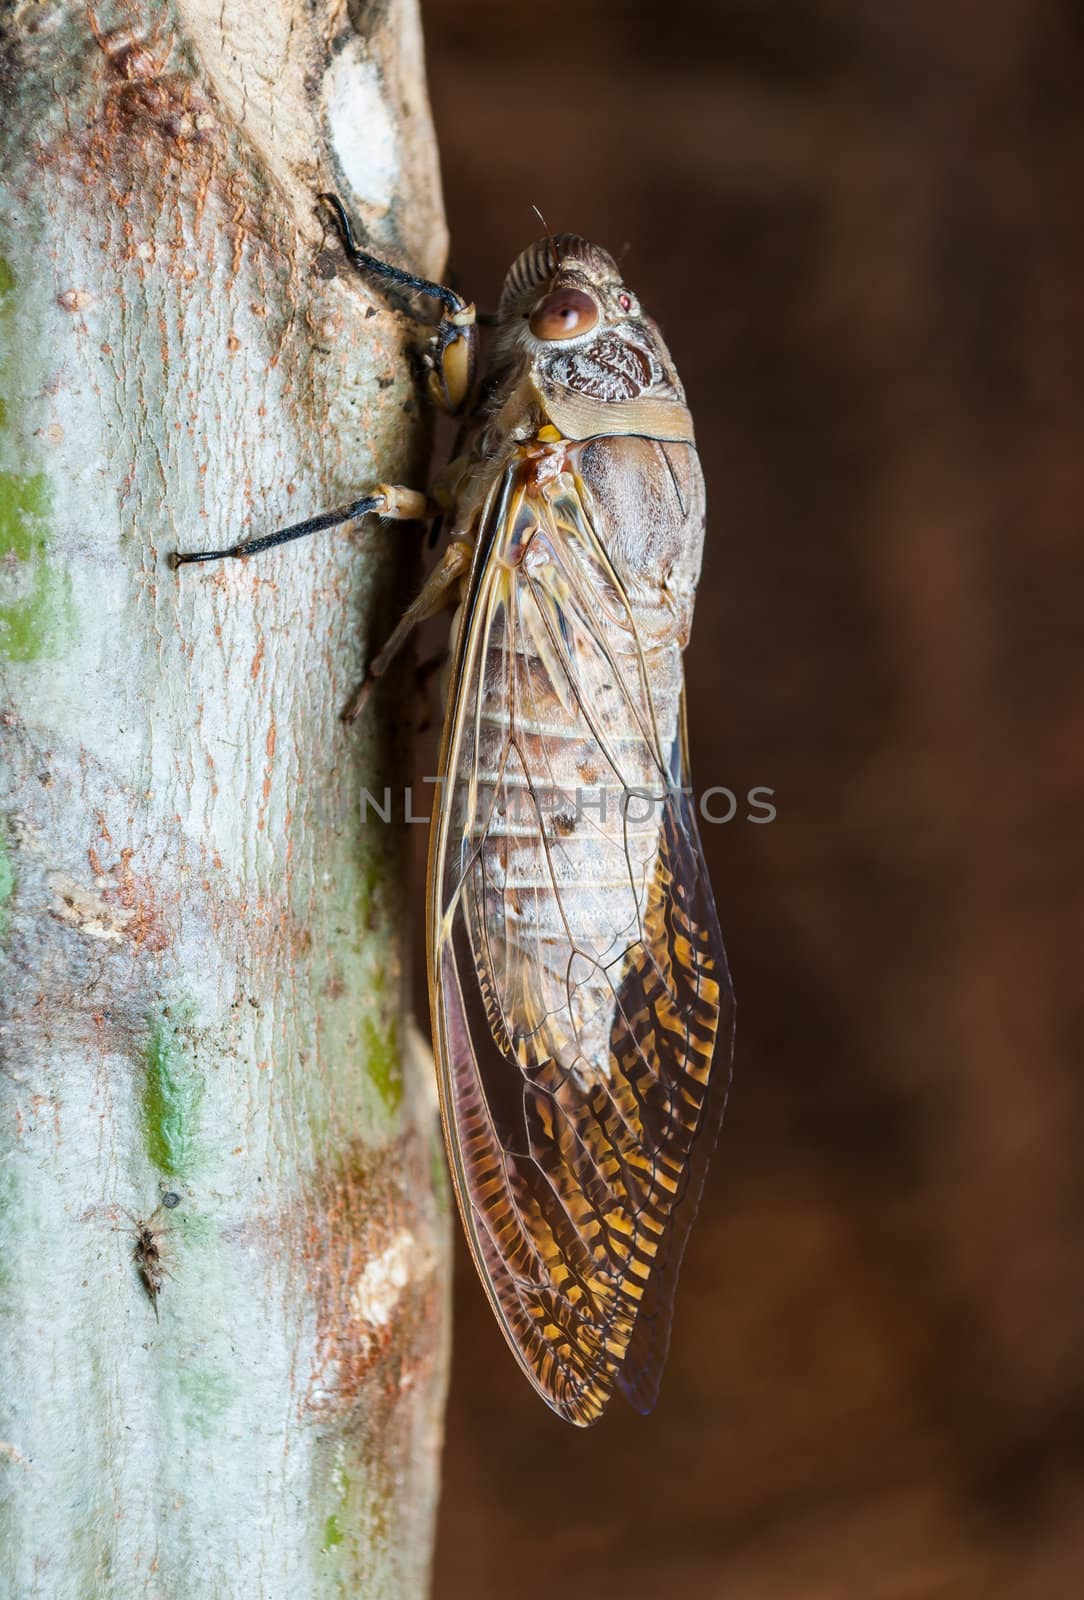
[[862, 229]]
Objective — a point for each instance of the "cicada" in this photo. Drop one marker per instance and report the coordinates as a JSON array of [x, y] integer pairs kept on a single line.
[[578, 983]]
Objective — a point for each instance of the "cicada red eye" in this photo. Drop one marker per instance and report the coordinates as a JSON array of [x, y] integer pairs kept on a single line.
[[563, 314], [625, 302]]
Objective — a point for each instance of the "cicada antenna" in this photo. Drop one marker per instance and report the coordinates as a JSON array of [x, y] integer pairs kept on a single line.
[[556, 254]]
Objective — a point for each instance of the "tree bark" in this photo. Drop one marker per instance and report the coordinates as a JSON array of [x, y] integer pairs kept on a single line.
[[203, 942]]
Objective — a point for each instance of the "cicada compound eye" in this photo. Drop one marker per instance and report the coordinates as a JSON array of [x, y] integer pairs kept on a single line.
[[563, 314]]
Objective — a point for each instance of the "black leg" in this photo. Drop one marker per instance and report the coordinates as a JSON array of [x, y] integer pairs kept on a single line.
[[300, 530], [451, 301], [454, 346]]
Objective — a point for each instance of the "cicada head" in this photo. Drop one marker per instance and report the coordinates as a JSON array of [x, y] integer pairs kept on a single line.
[[566, 312]]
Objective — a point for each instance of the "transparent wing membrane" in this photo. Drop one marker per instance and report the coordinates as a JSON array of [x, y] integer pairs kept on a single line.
[[578, 977]]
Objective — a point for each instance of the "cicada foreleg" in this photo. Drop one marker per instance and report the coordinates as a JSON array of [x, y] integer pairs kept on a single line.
[[453, 355], [441, 590], [451, 362]]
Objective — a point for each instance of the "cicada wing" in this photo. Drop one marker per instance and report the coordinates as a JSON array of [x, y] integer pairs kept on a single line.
[[681, 989], [577, 974]]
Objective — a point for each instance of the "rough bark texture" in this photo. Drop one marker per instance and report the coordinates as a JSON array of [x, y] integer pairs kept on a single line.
[[202, 943]]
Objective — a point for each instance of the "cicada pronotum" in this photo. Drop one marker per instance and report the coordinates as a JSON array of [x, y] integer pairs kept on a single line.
[[577, 978]]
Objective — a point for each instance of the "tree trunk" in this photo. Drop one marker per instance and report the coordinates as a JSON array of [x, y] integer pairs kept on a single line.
[[204, 945]]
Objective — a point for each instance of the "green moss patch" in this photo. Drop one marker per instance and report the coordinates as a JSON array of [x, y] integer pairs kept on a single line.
[[208, 1393], [333, 1533], [172, 1092], [35, 594], [382, 1060]]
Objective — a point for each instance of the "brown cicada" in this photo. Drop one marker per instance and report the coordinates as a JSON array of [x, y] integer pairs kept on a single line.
[[577, 977]]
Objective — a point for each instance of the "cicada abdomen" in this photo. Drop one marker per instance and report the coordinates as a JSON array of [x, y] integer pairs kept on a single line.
[[578, 975], [578, 984]]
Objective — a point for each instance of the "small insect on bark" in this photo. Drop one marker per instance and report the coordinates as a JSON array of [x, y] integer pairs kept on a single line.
[[147, 1249], [577, 979]]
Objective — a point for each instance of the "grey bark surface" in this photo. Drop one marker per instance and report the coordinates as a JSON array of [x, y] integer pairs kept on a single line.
[[202, 943]]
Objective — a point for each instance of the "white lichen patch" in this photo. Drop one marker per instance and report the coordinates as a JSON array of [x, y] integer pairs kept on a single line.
[[362, 126], [381, 1282], [74, 299], [85, 910]]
